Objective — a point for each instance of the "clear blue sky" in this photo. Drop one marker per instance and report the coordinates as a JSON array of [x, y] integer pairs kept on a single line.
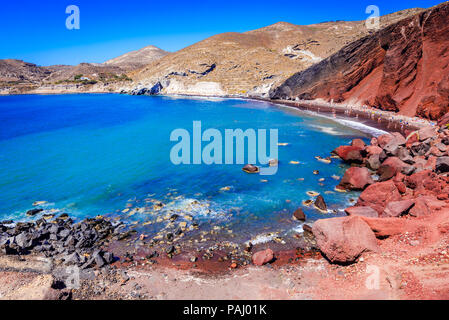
[[35, 31]]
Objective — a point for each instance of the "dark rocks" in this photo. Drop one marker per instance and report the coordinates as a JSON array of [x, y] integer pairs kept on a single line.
[[419, 149], [405, 156], [299, 215], [320, 204], [373, 162], [23, 240], [61, 240], [33, 212], [249, 168], [442, 164], [386, 172]]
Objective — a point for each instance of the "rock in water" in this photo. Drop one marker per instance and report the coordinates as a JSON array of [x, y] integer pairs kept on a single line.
[[343, 240], [320, 203], [33, 212], [262, 257], [249, 168], [299, 215]]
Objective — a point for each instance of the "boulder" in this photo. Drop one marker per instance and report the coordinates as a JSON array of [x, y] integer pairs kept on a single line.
[[299, 215], [419, 149], [426, 205], [386, 172], [378, 195], [343, 240], [249, 168], [442, 164], [371, 150], [263, 257], [426, 133], [356, 178], [392, 148], [386, 227], [362, 211], [349, 154], [33, 212], [384, 139], [358, 143], [405, 156], [396, 163], [398, 208], [373, 162], [320, 203]]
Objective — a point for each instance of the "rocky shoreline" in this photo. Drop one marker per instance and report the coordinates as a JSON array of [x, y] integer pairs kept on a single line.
[[403, 181]]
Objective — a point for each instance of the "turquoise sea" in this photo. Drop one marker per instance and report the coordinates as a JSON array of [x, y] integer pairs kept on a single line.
[[109, 154]]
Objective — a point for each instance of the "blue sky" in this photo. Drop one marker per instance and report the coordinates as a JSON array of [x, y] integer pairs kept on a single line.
[[35, 31]]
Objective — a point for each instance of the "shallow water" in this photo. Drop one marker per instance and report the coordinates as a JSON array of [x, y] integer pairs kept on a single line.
[[98, 154]]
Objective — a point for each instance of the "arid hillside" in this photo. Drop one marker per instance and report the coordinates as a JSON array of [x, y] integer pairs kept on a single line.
[[137, 59], [254, 61], [402, 68], [17, 76]]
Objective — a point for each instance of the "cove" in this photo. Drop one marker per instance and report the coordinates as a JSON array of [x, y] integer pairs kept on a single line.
[[109, 154]]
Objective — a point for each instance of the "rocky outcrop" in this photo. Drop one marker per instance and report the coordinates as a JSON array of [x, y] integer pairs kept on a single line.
[[402, 68], [343, 240]]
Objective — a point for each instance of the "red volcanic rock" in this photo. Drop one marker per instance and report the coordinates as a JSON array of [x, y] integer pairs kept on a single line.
[[374, 142], [343, 240], [427, 183], [349, 153], [395, 163], [398, 208], [384, 139], [401, 186], [378, 195], [372, 150], [262, 257], [398, 138], [358, 143], [386, 227], [356, 178], [362, 211], [403, 67], [426, 205], [426, 133], [386, 172], [411, 139]]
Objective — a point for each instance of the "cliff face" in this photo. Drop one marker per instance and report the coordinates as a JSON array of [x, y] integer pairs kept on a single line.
[[402, 68]]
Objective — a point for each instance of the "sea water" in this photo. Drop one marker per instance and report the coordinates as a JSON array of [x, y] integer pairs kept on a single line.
[[105, 154]]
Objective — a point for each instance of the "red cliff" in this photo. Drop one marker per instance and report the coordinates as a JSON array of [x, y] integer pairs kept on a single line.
[[402, 68]]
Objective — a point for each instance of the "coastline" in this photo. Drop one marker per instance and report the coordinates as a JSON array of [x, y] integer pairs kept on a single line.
[[216, 270]]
